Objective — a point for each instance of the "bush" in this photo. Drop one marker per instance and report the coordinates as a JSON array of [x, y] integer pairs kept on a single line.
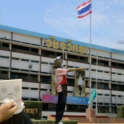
[[120, 112], [52, 122], [33, 109]]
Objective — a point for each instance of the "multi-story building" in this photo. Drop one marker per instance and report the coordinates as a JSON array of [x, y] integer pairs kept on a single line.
[[30, 56]]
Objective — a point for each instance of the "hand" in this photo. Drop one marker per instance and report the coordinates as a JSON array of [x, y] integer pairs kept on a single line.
[[7, 111]]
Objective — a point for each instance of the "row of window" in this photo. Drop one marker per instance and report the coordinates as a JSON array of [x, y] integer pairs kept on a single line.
[[69, 76], [80, 108], [51, 54], [47, 80], [34, 61]]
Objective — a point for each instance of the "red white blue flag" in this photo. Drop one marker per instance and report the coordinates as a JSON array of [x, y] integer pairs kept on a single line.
[[84, 9]]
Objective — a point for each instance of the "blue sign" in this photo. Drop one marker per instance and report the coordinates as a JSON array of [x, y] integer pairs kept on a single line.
[[77, 100], [70, 99]]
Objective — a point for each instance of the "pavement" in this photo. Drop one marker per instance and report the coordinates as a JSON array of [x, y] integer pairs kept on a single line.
[[99, 123]]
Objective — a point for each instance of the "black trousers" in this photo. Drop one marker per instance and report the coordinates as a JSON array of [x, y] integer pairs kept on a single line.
[[60, 106], [21, 118]]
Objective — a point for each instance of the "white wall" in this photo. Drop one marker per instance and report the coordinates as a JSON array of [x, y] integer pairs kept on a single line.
[[98, 75], [75, 64], [25, 65], [116, 77], [117, 56], [4, 53], [5, 62], [26, 56], [118, 70], [100, 53], [5, 34], [27, 39]]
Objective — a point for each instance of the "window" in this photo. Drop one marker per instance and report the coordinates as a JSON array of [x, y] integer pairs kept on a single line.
[[99, 71], [45, 106], [5, 44], [51, 64], [13, 58], [24, 49], [113, 73], [34, 61], [50, 54], [46, 79], [93, 61], [4, 72], [106, 71], [17, 47], [76, 108], [103, 86], [103, 63], [69, 91], [18, 76], [34, 88], [93, 84], [119, 74], [34, 50], [25, 88], [72, 67], [70, 82], [3, 75], [5, 57], [26, 60], [43, 89], [106, 94], [99, 94], [44, 62], [83, 59], [72, 58], [86, 84]]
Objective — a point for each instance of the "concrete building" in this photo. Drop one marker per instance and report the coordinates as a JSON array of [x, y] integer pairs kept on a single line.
[[30, 56]]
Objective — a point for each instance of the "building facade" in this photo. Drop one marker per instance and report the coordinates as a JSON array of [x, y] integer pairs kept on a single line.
[[30, 56]]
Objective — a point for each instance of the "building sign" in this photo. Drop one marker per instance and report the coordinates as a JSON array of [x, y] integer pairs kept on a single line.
[[70, 99], [31, 110], [66, 46]]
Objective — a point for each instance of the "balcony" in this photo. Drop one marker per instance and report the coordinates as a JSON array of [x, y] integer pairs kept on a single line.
[[4, 62], [4, 76], [75, 64], [117, 70], [98, 75], [100, 68], [116, 77], [25, 65]]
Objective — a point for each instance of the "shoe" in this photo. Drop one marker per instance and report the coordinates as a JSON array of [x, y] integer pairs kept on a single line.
[[60, 122]]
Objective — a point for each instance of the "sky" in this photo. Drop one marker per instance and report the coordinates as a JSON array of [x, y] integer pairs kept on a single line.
[[59, 18]]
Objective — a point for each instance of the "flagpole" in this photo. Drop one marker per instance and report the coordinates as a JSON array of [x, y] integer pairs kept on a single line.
[[96, 81], [63, 56], [90, 59]]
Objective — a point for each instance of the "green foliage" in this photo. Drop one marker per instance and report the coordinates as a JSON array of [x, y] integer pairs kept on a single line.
[[120, 112], [33, 109], [52, 122]]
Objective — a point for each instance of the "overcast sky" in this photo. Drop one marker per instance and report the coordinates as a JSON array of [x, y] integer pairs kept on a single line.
[[59, 18]]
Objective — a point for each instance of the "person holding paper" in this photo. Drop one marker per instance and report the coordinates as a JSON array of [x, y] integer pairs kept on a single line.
[[11, 104]]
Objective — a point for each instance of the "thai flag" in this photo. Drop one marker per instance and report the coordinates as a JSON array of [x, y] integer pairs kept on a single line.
[[84, 9]]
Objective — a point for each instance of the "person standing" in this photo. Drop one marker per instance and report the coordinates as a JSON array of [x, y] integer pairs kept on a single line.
[[61, 87]]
